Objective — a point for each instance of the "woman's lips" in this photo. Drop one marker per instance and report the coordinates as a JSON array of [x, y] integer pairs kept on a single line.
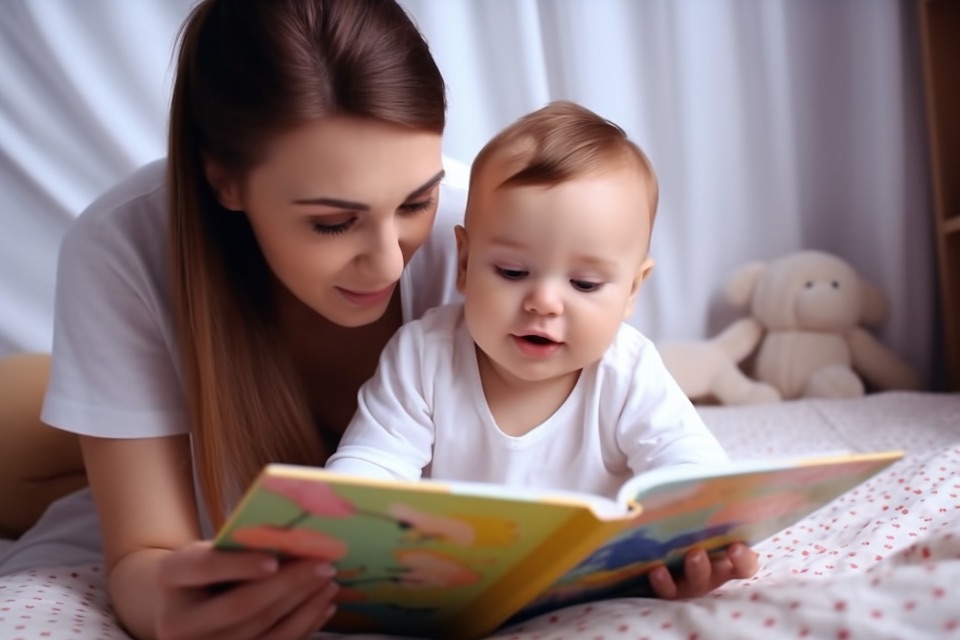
[[367, 298]]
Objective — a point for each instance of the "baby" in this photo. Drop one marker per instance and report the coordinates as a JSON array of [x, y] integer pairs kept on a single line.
[[536, 380]]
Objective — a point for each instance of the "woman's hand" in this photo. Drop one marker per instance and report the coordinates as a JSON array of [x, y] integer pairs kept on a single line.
[[239, 595], [701, 574]]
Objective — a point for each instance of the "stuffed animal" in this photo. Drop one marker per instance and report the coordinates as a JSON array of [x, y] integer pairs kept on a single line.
[[708, 369], [804, 331]]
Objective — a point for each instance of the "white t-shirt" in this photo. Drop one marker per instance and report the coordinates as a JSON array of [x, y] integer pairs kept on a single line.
[[424, 411], [116, 366]]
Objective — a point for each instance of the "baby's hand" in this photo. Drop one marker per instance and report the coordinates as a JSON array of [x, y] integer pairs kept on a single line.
[[701, 574]]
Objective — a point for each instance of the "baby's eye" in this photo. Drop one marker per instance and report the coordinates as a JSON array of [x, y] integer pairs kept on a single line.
[[585, 285], [510, 274]]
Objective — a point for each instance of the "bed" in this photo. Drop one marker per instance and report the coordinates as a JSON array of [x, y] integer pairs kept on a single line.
[[881, 562]]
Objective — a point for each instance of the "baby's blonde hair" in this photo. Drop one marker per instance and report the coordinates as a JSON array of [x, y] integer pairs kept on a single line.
[[560, 142]]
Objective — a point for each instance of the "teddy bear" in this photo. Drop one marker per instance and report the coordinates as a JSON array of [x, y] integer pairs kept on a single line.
[[709, 369], [802, 338]]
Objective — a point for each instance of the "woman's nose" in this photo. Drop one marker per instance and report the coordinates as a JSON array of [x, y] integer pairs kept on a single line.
[[384, 256]]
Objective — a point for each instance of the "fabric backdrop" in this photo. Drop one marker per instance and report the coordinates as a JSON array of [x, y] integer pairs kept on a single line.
[[774, 125]]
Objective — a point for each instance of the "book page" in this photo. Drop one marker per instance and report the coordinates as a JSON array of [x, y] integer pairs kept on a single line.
[[603, 508], [635, 489], [684, 508]]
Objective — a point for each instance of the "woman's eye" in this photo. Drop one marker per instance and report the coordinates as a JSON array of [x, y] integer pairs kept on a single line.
[[333, 229], [585, 285], [510, 274], [417, 207]]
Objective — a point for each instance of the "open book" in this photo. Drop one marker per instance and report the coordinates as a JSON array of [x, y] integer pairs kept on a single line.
[[458, 560]]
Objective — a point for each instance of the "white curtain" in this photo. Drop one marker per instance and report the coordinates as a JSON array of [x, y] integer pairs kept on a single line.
[[774, 125]]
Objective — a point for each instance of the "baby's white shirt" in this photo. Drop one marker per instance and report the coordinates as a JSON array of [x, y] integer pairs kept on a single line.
[[424, 414]]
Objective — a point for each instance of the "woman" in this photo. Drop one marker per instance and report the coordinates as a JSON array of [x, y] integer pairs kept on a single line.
[[240, 292], [303, 176]]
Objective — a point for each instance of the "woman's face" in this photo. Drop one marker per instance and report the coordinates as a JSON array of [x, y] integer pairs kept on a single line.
[[338, 207]]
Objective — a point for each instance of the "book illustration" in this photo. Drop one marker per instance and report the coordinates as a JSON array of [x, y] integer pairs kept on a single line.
[[617, 569], [712, 513], [322, 501], [409, 555]]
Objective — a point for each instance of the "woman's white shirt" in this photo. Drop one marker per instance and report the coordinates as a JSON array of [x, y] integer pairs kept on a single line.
[[116, 367]]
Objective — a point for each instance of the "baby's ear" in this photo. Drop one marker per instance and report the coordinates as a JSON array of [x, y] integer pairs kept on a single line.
[[463, 249], [641, 276]]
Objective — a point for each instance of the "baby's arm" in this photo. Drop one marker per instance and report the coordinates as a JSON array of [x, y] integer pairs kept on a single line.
[[660, 427], [391, 434]]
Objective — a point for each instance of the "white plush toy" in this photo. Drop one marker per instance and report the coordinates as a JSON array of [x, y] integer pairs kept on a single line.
[[804, 331]]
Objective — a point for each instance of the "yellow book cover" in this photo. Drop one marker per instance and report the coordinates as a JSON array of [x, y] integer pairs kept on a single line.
[[458, 560]]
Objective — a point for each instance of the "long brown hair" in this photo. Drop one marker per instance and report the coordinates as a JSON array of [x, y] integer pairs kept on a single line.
[[248, 70]]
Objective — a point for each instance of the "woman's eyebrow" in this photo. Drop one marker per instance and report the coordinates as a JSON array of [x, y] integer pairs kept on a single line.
[[334, 202], [360, 206], [426, 186]]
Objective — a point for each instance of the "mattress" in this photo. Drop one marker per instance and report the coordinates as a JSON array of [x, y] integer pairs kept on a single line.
[[880, 562]]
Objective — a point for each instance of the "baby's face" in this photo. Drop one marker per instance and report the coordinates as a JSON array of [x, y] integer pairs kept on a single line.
[[549, 273]]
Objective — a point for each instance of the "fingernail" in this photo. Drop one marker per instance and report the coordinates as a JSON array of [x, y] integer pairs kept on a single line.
[[270, 566], [332, 609], [325, 570]]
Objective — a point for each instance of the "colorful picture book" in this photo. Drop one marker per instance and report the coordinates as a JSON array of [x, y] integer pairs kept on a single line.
[[458, 560]]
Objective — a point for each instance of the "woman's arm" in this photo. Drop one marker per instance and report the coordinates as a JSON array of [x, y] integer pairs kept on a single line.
[[143, 490], [162, 579]]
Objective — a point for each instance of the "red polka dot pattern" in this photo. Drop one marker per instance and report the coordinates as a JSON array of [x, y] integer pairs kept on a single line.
[[881, 562], [57, 604]]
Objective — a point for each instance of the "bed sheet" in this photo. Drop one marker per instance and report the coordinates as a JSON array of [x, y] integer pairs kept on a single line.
[[881, 562]]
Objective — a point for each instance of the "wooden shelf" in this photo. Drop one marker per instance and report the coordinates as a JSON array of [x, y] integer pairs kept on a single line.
[[940, 54]]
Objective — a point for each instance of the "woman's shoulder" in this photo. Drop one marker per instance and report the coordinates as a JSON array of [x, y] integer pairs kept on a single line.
[[123, 231], [132, 210], [112, 314]]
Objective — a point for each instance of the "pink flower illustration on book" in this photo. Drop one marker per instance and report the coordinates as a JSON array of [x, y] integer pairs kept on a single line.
[[318, 499], [302, 543], [313, 499], [423, 569], [462, 529], [426, 569]]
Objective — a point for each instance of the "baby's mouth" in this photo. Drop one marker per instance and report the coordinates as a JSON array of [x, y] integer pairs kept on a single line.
[[537, 340]]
